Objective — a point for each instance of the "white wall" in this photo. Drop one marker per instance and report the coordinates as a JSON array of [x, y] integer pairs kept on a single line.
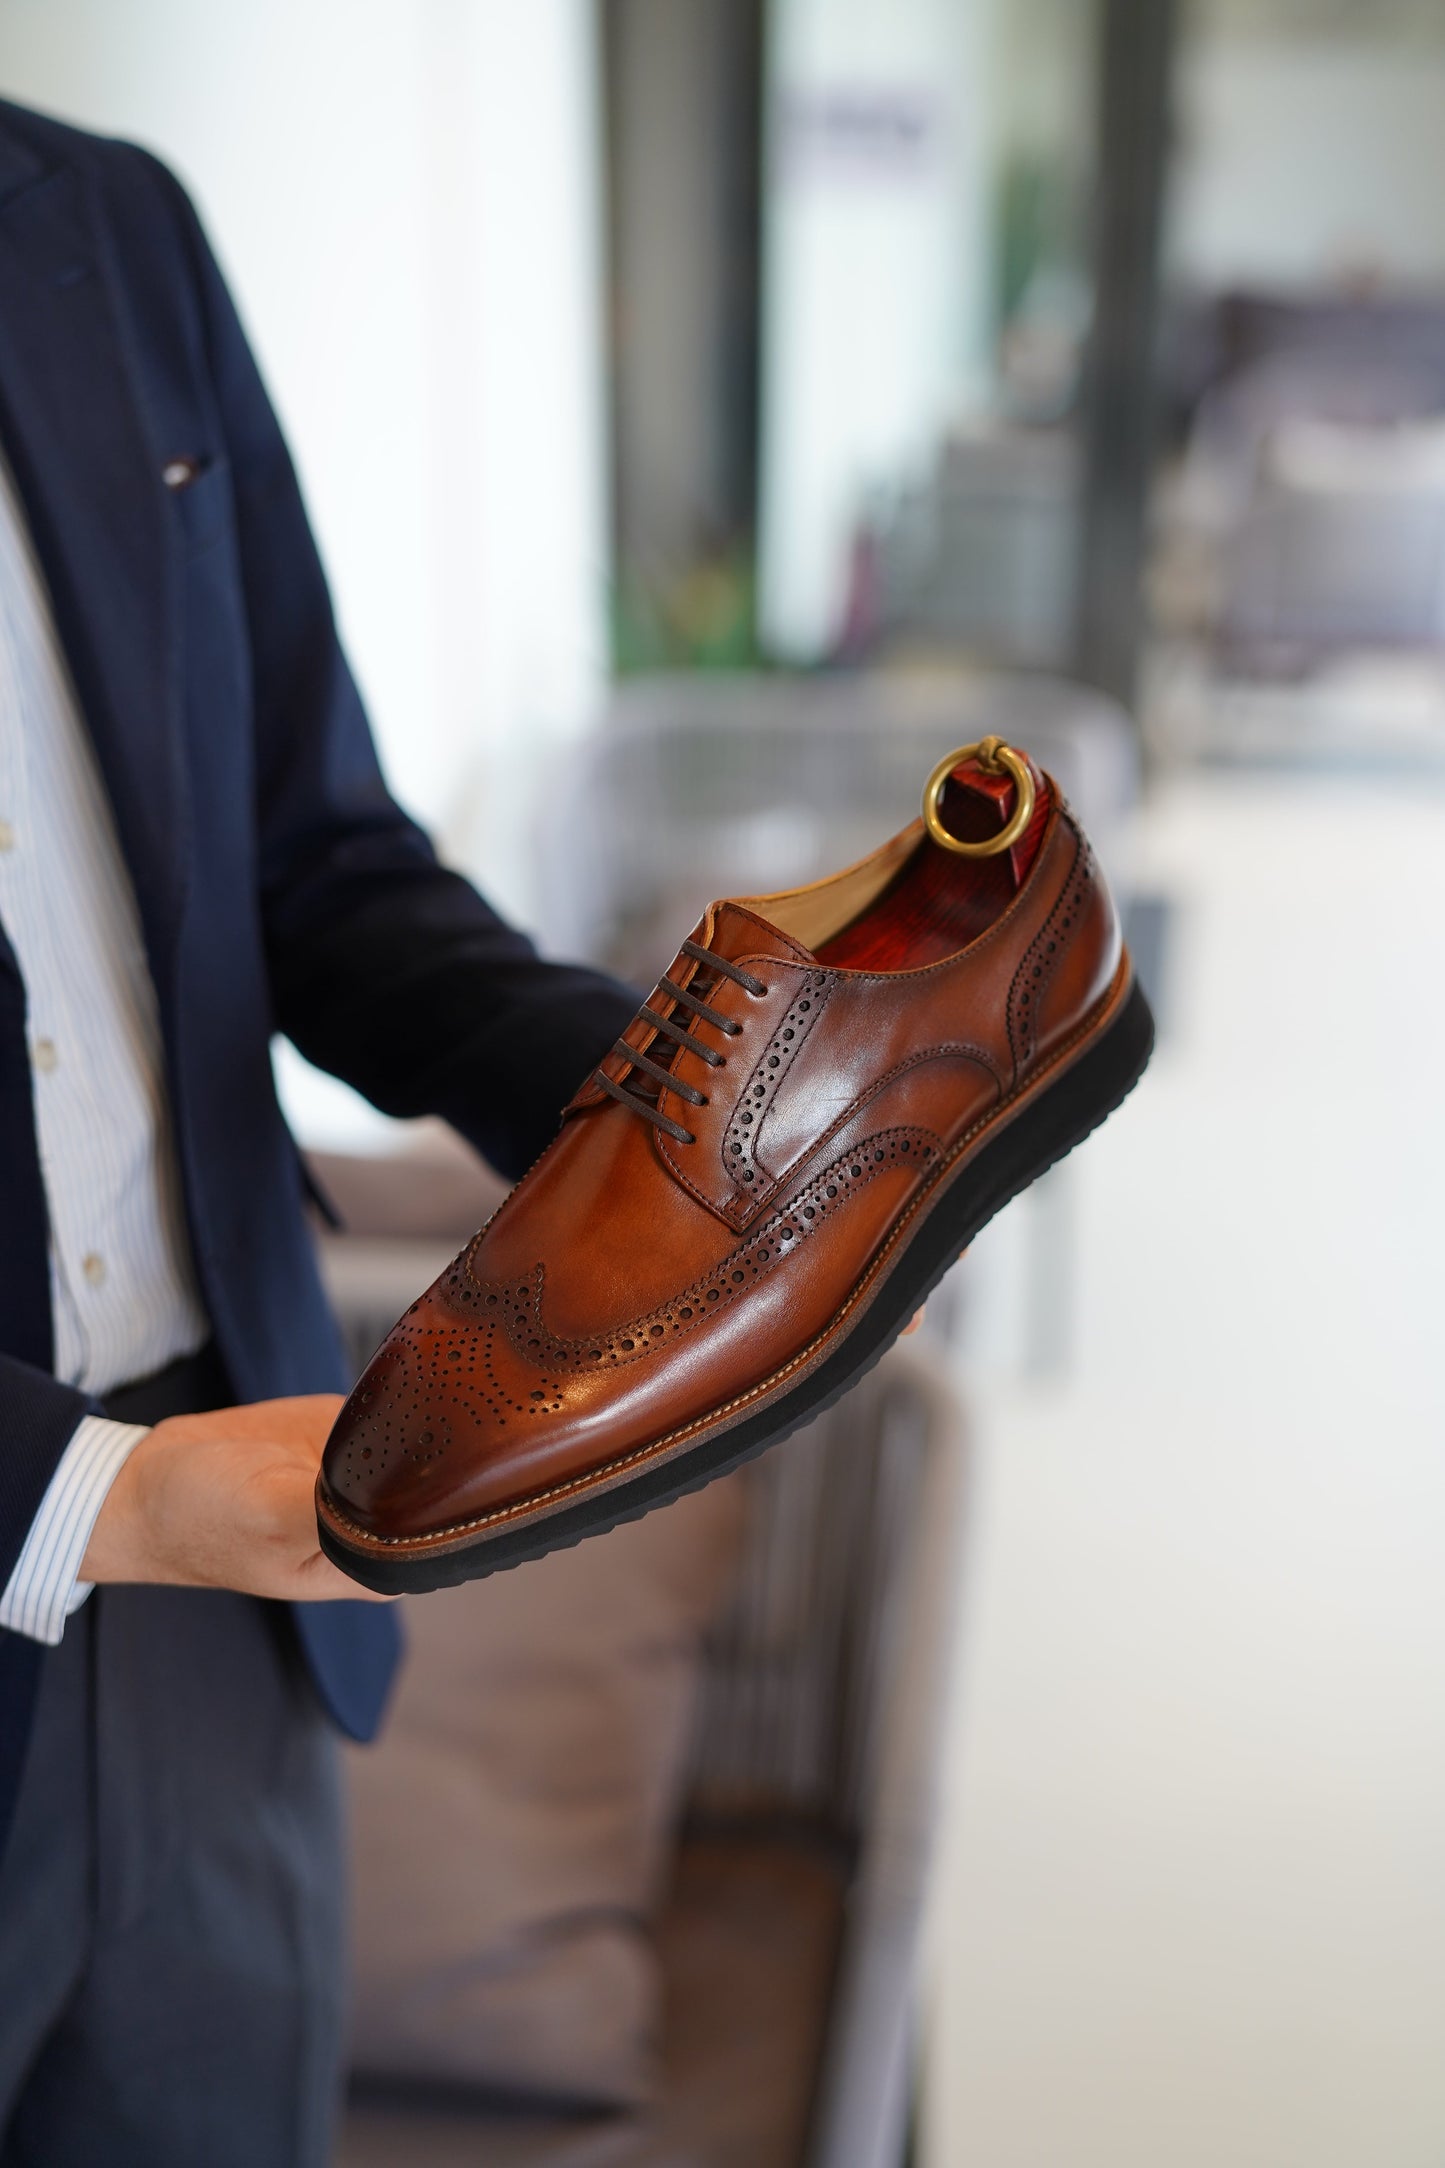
[[405, 196], [1304, 157]]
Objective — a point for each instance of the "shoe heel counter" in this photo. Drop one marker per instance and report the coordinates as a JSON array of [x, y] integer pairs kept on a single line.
[[1070, 963]]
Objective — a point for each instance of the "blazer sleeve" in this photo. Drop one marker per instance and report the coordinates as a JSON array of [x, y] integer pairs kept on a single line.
[[386, 969]]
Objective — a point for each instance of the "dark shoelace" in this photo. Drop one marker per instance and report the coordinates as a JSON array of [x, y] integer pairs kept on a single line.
[[634, 1096]]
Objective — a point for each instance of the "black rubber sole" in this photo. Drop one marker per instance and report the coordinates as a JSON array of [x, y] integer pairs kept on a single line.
[[1041, 1134]]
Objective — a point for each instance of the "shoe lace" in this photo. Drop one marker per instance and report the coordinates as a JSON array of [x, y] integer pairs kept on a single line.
[[631, 1090]]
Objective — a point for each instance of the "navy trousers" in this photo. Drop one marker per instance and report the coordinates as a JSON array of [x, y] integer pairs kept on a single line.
[[171, 1898]]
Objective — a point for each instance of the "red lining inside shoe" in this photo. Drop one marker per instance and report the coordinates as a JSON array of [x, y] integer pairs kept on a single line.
[[938, 902]]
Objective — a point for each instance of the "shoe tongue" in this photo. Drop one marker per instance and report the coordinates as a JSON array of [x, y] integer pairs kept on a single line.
[[734, 932]]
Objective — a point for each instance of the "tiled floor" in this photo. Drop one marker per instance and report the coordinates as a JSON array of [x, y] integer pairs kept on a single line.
[[1191, 1912]]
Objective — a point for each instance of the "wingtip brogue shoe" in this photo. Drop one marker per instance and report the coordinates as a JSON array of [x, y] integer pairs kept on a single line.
[[824, 1099]]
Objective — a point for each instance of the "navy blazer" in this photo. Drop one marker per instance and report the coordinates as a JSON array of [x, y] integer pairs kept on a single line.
[[280, 888]]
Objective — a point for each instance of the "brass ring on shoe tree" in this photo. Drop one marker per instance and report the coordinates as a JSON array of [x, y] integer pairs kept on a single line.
[[991, 754]]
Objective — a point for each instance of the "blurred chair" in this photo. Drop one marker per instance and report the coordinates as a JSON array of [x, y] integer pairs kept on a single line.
[[1342, 545], [695, 787], [790, 1937], [1316, 478]]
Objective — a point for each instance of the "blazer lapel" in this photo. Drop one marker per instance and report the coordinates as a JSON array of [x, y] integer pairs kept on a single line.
[[96, 504]]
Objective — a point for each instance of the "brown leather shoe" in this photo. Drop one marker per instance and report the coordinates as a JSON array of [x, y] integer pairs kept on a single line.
[[818, 1108]]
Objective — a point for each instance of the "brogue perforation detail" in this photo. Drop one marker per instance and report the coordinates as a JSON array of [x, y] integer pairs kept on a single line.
[[516, 1306], [740, 1145], [1043, 956], [423, 1385]]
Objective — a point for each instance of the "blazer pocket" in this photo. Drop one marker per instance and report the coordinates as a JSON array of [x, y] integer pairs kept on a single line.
[[203, 505]]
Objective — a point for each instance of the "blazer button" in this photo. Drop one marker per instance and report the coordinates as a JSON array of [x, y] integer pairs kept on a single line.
[[180, 473]]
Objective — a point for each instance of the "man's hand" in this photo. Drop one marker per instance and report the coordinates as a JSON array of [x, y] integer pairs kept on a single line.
[[224, 1500]]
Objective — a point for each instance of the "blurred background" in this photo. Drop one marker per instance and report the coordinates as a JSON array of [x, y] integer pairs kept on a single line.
[[713, 410]]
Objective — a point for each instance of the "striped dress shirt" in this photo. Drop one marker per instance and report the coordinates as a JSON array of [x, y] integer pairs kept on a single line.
[[124, 1298]]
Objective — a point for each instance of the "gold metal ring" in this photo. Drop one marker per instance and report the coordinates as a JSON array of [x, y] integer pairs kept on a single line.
[[991, 753]]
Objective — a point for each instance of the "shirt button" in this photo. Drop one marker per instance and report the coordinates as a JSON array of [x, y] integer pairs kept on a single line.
[[7, 836], [46, 1055], [94, 1269]]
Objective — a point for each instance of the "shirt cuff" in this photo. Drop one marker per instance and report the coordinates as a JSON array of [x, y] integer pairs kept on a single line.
[[44, 1588]]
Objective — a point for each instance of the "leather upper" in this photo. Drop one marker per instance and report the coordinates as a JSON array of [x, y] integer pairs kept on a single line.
[[634, 1286]]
